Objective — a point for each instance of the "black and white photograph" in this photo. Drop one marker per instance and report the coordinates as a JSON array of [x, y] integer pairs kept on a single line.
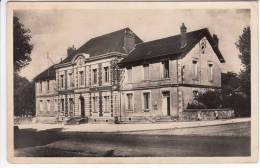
[[132, 80]]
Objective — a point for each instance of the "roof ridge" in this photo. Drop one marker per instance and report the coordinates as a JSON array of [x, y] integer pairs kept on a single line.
[[109, 33], [147, 42]]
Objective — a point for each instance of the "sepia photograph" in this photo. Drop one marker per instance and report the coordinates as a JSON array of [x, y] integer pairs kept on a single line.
[[128, 82]]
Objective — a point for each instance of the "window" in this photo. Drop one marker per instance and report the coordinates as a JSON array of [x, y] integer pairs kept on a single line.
[[129, 75], [81, 78], [210, 72], [106, 104], [62, 104], [40, 87], [166, 69], [62, 81], [71, 104], [94, 76], [70, 80], [106, 74], [55, 105], [129, 103], [195, 69], [195, 94], [48, 85], [48, 106], [41, 105], [146, 99], [95, 104], [146, 72]]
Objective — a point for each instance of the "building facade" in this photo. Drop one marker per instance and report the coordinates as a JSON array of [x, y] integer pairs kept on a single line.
[[119, 76]]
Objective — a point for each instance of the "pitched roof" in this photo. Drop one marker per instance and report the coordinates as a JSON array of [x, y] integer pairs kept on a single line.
[[170, 46], [46, 74], [111, 42]]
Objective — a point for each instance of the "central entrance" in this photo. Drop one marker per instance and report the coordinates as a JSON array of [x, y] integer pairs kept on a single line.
[[82, 106], [166, 111]]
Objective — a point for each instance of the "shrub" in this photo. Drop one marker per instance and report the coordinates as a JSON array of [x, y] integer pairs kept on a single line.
[[211, 99]]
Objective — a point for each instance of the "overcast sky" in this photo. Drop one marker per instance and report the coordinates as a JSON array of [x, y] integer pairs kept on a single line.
[[54, 31]]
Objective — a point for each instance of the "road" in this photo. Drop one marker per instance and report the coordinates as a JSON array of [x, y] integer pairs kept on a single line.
[[225, 140]]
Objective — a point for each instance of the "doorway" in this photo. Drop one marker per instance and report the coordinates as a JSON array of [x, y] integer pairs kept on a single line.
[[82, 106], [166, 103]]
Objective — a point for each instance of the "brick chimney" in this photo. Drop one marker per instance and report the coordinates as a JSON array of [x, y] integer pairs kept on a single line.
[[215, 40], [129, 40], [183, 30]]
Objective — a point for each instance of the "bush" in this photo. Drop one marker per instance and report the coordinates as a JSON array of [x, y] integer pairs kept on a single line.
[[196, 105], [211, 99], [239, 103]]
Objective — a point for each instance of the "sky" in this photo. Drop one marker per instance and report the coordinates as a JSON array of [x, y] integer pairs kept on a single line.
[[53, 31]]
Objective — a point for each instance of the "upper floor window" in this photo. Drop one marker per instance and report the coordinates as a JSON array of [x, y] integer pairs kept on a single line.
[[195, 69], [94, 76], [210, 72], [129, 75], [146, 72], [62, 81], [70, 80], [48, 85], [146, 101], [40, 87], [129, 101], [106, 74], [81, 78], [166, 70]]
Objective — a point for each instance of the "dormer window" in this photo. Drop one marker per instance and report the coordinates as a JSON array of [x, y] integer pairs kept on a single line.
[[48, 85]]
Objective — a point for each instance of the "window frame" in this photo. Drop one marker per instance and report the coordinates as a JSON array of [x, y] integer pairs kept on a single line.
[[127, 102], [106, 71], [146, 74], [95, 76], [149, 101], [164, 74], [195, 69], [130, 74], [210, 71]]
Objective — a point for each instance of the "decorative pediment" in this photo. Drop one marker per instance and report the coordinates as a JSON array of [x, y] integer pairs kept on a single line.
[[80, 58]]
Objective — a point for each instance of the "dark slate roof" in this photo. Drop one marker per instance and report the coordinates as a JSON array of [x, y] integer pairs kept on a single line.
[[112, 42], [169, 46], [46, 74]]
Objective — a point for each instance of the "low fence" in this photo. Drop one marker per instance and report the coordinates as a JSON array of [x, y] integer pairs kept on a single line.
[[206, 114], [26, 119]]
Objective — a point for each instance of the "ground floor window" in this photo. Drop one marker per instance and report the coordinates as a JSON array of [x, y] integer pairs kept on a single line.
[[106, 104], [71, 104], [41, 105], [62, 104], [146, 101], [95, 104], [129, 101], [48, 106]]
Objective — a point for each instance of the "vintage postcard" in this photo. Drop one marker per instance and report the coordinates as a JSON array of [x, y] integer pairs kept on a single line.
[[132, 82]]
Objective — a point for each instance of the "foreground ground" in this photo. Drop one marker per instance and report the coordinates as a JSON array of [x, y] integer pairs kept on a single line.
[[231, 139]]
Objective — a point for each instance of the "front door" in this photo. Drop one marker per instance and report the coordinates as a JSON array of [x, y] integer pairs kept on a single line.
[[82, 107], [166, 103]]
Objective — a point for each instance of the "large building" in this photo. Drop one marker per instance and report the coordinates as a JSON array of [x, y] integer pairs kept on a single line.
[[118, 76]]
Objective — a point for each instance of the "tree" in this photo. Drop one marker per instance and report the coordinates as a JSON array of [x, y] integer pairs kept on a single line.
[[21, 45], [24, 96], [244, 46], [229, 83]]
